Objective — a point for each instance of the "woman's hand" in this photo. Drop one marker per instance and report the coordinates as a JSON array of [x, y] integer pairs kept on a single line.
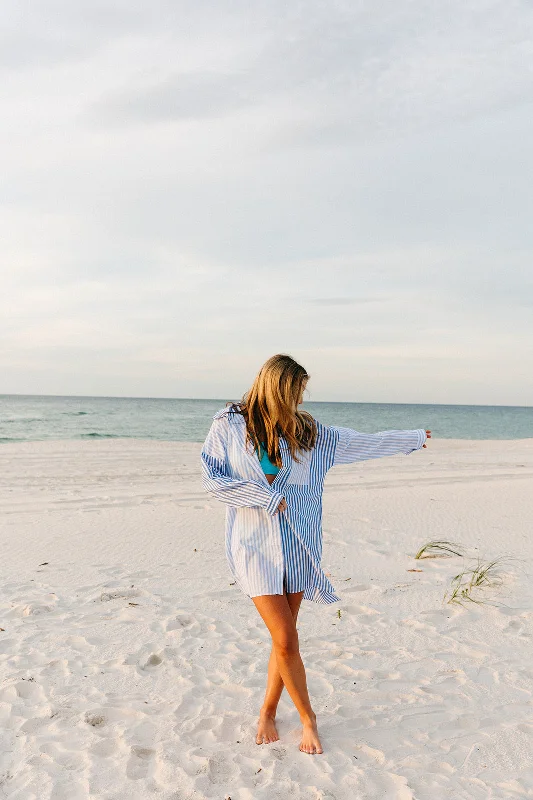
[[283, 505], [428, 434]]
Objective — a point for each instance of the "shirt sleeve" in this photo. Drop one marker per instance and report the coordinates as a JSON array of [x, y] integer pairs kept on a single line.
[[354, 446], [218, 482]]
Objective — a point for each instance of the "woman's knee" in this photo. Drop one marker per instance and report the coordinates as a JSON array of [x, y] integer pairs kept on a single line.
[[286, 643], [279, 619]]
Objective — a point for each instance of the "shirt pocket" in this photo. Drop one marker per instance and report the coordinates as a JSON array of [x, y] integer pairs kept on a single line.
[[300, 473]]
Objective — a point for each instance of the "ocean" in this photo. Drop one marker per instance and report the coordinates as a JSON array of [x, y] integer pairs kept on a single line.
[[25, 418]]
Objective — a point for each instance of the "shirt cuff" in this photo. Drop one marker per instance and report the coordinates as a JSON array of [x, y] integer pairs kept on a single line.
[[274, 502], [421, 437]]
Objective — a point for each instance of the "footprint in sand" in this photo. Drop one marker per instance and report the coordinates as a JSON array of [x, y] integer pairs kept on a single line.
[[7, 645], [153, 660], [35, 609], [29, 690], [79, 644], [360, 587], [95, 720], [218, 769], [106, 748], [183, 621], [115, 594], [146, 659], [365, 614], [140, 762]]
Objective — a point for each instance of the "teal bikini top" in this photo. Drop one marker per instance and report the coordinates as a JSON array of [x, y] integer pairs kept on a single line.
[[268, 467]]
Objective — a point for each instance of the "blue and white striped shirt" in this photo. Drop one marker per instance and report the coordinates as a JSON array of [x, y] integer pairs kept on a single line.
[[262, 544]]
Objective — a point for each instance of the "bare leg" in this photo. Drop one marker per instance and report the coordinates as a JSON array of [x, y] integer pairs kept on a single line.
[[278, 617], [266, 729]]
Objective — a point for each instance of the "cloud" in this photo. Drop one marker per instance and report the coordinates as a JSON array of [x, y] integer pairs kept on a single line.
[[346, 73], [54, 32], [179, 97]]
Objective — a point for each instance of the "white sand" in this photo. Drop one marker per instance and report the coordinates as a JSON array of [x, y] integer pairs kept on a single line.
[[131, 668]]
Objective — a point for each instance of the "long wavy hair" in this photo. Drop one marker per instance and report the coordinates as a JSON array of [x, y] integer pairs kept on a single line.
[[270, 409]]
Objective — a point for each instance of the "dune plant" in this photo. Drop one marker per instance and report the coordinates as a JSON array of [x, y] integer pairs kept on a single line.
[[439, 548], [484, 575]]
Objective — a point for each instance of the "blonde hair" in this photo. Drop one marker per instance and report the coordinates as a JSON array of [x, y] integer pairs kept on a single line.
[[270, 408]]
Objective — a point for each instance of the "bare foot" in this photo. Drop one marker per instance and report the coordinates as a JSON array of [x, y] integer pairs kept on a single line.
[[310, 742], [266, 729]]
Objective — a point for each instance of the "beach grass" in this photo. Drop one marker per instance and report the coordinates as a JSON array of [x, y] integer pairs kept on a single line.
[[466, 585], [441, 548]]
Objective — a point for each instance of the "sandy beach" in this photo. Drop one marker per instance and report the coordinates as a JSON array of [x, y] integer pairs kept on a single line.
[[130, 666]]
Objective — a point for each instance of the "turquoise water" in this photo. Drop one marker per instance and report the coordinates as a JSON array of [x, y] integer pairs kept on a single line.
[[34, 417]]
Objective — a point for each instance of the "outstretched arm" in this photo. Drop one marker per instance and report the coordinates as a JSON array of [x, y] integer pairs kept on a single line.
[[354, 446], [218, 482]]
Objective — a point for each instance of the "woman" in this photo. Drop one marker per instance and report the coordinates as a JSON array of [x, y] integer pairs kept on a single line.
[[267, 461]]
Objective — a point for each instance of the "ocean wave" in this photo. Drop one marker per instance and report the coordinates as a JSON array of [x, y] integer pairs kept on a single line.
[[75, 413], [95, 435], [21, 419]]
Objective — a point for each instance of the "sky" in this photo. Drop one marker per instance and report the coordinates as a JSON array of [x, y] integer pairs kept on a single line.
[[191, 187]]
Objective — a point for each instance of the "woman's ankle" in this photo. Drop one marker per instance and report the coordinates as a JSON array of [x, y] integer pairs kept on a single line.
[[265, 711], [308, 719]]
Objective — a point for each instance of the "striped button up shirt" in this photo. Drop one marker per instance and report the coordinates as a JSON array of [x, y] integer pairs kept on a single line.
[[232, 473]]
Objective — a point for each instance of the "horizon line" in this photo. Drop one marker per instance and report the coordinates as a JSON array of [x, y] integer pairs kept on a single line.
[[217, 399]]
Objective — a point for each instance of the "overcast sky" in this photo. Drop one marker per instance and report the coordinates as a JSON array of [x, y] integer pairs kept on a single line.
[[191, 187]]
